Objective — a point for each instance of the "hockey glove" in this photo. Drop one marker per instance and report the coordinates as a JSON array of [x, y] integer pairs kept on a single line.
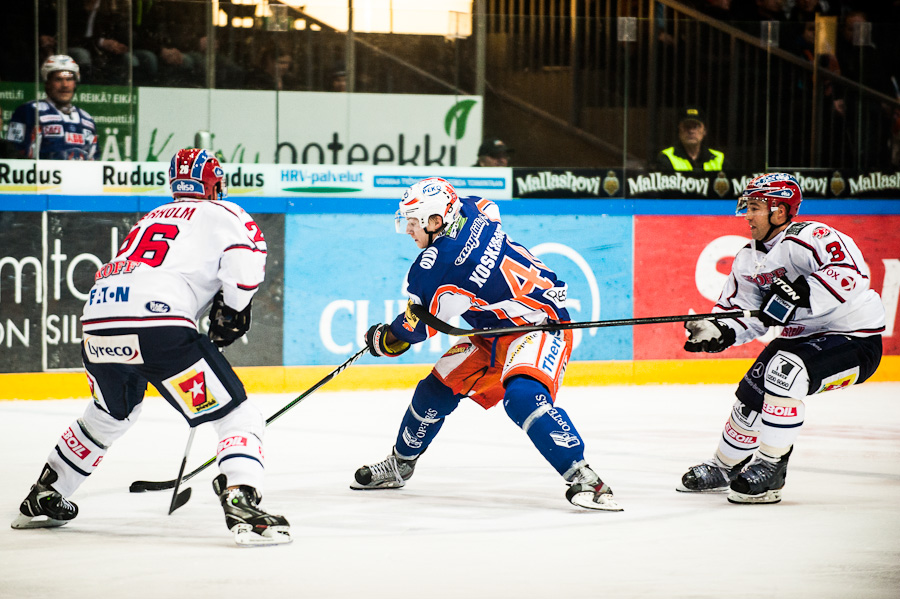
[[710, 336], [227, 325], [376, 341], [782, 300]]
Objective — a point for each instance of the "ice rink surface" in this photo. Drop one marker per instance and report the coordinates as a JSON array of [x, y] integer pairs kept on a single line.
[[483, 517]]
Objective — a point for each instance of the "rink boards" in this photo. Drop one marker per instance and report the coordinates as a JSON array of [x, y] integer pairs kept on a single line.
[[336, 266]]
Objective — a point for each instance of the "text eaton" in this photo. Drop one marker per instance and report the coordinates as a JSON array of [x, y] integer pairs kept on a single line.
[[102, 295]]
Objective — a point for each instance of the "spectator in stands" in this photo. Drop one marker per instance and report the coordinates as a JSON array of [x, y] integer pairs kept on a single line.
[[229, 74], [691, 153], [493, 152], [61, 131], [338, 80], [806, 10], [869, 121], [274, 72]]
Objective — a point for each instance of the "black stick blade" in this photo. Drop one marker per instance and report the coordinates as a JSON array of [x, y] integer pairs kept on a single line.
[[139, 486], [179, 500]]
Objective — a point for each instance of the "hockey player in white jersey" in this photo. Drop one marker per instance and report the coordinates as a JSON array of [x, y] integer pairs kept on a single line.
[[811, 280], [140, 326]]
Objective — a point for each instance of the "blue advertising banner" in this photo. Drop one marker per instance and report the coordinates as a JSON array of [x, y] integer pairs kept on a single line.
[[345, 272]]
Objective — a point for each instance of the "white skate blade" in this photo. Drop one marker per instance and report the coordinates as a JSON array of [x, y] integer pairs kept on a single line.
[[273, 535], [22, 521], [773, 496], [588, 501]]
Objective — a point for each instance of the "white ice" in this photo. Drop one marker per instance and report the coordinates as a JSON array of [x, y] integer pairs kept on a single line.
[[483, 517]]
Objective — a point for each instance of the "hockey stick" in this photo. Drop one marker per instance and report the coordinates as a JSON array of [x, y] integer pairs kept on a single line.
[[139, 486], [179, 499], [435, 323]]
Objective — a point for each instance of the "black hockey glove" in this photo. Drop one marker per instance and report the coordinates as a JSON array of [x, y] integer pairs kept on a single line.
[[710, 336], [227, 325], [781, 301], [376, 341]]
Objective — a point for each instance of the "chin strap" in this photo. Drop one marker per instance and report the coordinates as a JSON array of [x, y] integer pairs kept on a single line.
[[772, 227], [431, 234]]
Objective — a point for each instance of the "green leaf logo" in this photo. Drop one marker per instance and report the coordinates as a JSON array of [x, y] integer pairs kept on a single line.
[[458, 114]]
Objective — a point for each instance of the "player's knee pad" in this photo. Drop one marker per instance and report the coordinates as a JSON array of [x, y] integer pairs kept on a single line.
[[527, 403], [786, 375], [741, 435], [433, 395], [782, 418], [430, 404], [239, 453]]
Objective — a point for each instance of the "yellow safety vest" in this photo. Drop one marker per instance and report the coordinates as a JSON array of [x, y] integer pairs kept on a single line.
[[682, 164]]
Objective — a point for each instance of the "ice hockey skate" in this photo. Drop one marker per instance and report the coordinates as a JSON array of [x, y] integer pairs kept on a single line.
[[251, 526], [44, 507], [588, 491], [709, 477], [761, 481], [390, 473]]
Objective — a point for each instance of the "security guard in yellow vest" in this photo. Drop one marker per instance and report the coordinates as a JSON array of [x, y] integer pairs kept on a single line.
[[691, 154]]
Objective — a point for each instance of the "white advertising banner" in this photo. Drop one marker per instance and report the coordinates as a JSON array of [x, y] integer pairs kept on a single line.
[[71, 178], [321, 128]]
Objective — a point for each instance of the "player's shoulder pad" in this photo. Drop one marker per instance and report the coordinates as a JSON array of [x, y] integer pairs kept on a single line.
[[796, 228], [85, 115]]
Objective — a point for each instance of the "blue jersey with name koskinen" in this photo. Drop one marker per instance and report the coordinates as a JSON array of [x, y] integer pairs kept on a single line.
[[59, 136], [476, 271]]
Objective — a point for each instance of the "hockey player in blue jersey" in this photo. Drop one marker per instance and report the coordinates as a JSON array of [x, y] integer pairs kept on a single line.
[[469, 267], [63, 131]]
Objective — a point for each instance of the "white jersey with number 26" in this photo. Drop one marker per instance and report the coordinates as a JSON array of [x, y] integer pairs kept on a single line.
[[173, 262]]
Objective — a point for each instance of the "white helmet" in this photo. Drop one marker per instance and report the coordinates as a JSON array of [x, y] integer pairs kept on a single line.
[[427, 197], [59, 62]]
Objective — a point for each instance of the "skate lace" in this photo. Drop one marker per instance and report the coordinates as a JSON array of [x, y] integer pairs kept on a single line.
[[586, 476], [385, 470], [65, 504], [52, 501]]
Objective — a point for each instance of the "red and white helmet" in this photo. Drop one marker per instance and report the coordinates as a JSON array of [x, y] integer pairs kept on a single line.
[[774, 189], [197, 174], [428, 197], [59, 62]]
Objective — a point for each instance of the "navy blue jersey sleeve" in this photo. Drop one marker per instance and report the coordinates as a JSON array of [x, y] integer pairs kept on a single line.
[[475, 271]]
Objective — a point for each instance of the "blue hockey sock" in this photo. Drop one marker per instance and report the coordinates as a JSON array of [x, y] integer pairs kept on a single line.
[[431, 402], [528, 404]]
